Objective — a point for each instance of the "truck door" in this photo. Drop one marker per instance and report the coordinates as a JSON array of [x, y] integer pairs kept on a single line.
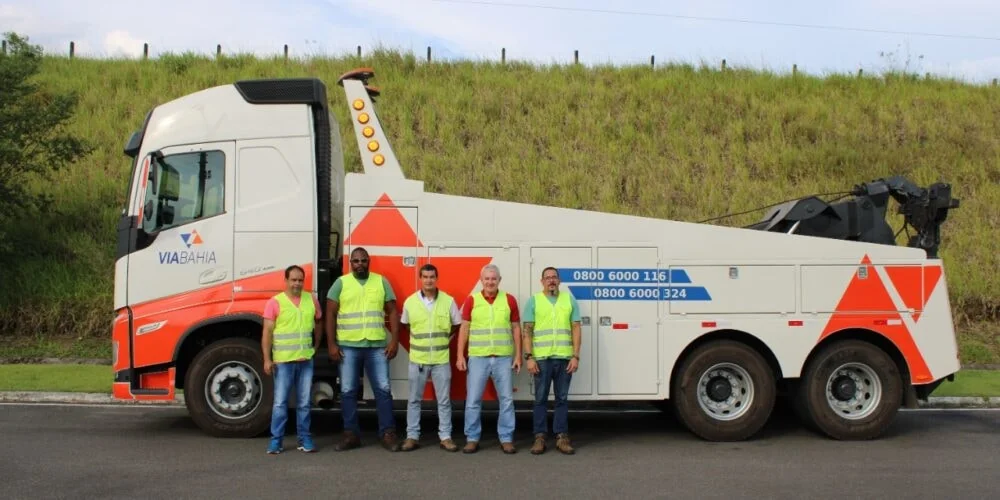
[[627, 308], [184, 251]]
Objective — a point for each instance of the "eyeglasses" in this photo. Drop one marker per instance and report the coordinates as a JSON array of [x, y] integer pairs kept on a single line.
[[550, 278], [359, 261]]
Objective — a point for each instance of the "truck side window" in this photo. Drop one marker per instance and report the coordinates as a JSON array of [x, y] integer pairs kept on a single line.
[[183, 188]]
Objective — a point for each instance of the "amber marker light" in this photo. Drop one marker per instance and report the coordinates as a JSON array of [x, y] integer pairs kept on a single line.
[[359, 104], [368, 132], [379, 160], [373, 146], [363, 118]]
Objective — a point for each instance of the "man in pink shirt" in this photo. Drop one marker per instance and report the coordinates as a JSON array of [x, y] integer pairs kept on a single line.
[[292, 330]]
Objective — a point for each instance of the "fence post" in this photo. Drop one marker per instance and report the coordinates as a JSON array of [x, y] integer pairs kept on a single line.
[[860, 71], [723, 65], [576, 57], [795, 69], [428, 53], [286, 51], [359, 51], [652, 61], [503, 54], [72, 49], [5, 47], [218, 50], [145, 51], [994, 82]]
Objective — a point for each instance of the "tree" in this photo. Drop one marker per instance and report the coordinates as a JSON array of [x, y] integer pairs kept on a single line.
[[33, 138]]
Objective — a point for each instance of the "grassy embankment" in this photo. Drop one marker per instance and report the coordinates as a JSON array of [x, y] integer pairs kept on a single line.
[[679, 142]]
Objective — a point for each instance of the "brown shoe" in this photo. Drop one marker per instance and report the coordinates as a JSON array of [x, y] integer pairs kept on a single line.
[[409, 445], [389, 441], [349, 442], [562, 444], [508, 448], [471, 447], [539, 447], [449, 445]]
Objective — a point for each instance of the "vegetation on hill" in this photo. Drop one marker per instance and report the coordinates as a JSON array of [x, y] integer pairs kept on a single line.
[[678, 142]]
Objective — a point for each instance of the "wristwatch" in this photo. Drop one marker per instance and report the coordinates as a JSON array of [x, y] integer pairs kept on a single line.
[[527, 356]]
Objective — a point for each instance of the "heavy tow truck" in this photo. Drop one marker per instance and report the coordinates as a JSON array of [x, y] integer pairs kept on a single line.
[[233, 183]]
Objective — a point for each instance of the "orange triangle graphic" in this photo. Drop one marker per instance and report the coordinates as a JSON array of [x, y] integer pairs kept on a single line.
[[384, 225], [908, 281], [867, 294], [197, 238]]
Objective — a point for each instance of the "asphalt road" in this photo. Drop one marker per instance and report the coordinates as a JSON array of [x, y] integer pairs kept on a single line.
[[55, 451]]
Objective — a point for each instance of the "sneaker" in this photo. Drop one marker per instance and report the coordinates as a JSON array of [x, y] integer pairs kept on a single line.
[[306, 445], [274, 447]]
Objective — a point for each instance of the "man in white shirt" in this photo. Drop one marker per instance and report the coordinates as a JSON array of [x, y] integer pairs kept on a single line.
[[434, 319]]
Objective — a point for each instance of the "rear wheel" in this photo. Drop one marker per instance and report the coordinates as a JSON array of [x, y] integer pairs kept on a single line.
[[851, 391], [226, 390], [724, 391]]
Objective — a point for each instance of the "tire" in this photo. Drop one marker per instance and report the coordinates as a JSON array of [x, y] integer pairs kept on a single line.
[[750, 401], [870, 378], [236, 366]]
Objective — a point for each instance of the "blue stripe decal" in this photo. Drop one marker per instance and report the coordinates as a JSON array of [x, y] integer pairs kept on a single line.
[[648, 276], [670, 293]]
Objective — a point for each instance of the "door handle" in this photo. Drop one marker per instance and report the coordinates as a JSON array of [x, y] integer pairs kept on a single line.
[[212, 276], [605, 320]]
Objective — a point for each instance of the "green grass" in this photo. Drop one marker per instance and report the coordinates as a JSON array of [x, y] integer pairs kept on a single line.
[[97, 378], [678, 142], [971, 383], [56, 378]]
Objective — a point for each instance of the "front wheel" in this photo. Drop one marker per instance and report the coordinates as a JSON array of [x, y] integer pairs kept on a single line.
[[851, 391], [226, 390], [724, 391]]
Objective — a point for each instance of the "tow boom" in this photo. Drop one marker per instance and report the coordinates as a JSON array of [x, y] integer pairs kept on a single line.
[[862, 217]]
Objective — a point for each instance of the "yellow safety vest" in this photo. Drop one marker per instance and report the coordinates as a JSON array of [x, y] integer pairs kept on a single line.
[[552, 336], [489, 330], [293, 329], [361, 315], [429, 331]]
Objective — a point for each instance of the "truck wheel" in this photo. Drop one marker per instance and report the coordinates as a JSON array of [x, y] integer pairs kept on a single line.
[[851, 391], [226, 390], [724, 391]]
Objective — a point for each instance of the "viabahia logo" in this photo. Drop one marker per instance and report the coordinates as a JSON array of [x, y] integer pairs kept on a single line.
[[190, 256]]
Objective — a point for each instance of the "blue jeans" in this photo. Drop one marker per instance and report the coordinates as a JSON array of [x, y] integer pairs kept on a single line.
[[441, 376], [376, 367], [499, 370], [552, 372], [297, 375]]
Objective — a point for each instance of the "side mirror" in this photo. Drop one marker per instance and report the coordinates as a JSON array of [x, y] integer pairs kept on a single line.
[[147, 211]]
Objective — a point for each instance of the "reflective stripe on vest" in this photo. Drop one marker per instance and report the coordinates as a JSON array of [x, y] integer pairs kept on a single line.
[[489, 330], [293, 329], [552, 336], [429, 330], [361, 314]]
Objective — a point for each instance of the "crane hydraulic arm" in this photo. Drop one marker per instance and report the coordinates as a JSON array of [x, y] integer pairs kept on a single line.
[[863, 216]]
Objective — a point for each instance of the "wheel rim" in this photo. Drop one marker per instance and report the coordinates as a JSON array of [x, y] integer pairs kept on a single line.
[[233, 390], [854, 391], [725, 391]]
